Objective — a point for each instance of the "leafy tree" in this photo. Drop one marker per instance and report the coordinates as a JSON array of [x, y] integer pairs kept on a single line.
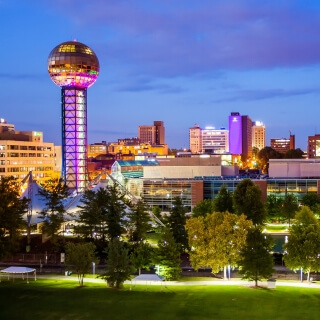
[[167, 256], [176, 222], [224, 201], [139, 222], [202, 208], [216, 240], [141, 257], [53, 193], [312, 200], [255, 261], [12, 209], [118, 267], [157, 212], [289, 207], [247, 199], [274, 207], [302, 248], [264, 155], [294, 154], [102, 215], [81, 256]]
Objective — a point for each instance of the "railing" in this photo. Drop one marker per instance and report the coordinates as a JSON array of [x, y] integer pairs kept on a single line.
[[34, 258]]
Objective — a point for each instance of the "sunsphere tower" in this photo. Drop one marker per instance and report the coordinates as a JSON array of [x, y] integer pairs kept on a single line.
[[74, 67]]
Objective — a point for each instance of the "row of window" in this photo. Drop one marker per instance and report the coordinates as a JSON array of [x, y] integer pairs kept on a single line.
[[25, 155], [26, 169], [18, 147]]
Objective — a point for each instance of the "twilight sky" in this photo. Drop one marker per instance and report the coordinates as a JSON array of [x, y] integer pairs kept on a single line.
[[182, 62]]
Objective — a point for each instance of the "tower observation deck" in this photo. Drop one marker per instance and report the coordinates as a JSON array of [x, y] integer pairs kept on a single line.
[[74, 67]]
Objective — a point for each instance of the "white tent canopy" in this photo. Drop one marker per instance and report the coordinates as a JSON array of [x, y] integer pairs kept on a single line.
[[19, 270]]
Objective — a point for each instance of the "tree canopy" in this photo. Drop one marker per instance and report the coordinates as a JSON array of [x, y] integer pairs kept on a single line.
[[12, 209], [302, 248], [224, 200], [216, 239], [247, 199], [80, 256], [203, 207], [255, 260], [53, 193]]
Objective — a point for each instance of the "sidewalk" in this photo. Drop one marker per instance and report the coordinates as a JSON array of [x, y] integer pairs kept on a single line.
[[213, 282]]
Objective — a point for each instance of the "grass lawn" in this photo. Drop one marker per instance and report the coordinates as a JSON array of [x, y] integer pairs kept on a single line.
[[62, 299]]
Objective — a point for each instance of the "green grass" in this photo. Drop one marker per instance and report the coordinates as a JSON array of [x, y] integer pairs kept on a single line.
[[153, 237], [62, 299]]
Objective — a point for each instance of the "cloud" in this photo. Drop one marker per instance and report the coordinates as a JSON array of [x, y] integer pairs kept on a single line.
[[165, 38], [12, 76], [254, 95]]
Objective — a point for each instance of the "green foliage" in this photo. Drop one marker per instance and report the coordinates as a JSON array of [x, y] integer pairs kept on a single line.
[[176, 222], [102, 216], [247, 199], [312, 200], [12, 209], [264, 155], [167, 256], [289, 207], [274, 207], [202, 208], [118, 267], [141, 256], [81, 256], [255, 261], [302, 248], [139, 222], [216, 239], [224, 201], [53, 193], [294, 154]]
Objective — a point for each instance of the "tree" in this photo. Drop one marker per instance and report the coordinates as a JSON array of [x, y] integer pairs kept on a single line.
[[53, 193], [102, 215], [139, 222], [118, 267], [289, 207], [274, 207], [141, 256], [255, 261], [224, 201], [264, 155], [202, 208], [216, 240], [302, 248], [167, 256], [81, 256], [12, 209], [312, 200], [176, 222], [247, 199], [294, 154]]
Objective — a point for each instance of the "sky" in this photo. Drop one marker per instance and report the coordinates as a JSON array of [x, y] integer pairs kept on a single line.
[[183, 62]]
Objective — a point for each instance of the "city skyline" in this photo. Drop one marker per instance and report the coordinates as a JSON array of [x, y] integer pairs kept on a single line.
[[181, 63]]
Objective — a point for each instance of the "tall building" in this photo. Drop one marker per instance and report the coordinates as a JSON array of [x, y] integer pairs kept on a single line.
[[195, 139], [25, 151], [74, 67], [314, 146], [283, 145], [258, 135], [152, 134], [240, 134]]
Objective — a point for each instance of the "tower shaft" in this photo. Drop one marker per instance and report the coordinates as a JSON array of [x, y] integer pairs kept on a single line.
[[74, 137]]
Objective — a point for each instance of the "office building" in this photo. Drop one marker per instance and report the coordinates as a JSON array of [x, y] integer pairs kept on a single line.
[[195, 139], [25, 151], [314, 146], [154, 134], [282, 145], [215, 140]]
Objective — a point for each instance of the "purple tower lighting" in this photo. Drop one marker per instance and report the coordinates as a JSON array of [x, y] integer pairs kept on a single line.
[[235, 133], [74, 67]]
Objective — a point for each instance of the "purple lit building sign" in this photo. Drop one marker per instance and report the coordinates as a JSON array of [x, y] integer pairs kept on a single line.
[[235, 134]]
